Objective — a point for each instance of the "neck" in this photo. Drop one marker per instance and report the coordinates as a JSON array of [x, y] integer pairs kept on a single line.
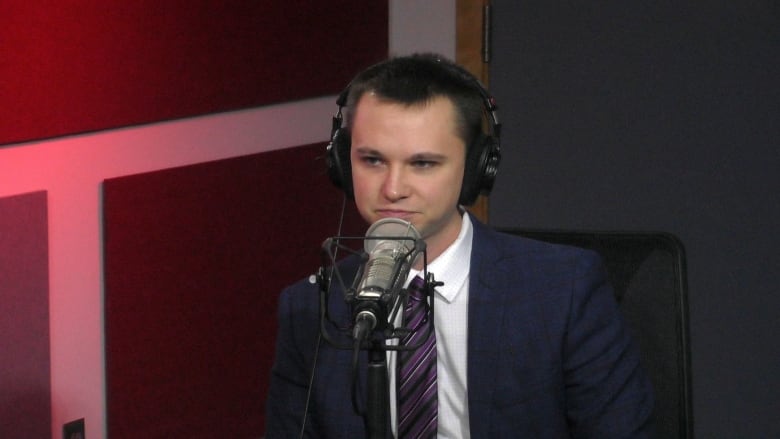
[[434, 248]]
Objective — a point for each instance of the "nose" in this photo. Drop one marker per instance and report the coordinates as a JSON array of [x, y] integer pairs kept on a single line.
[[394, 186]]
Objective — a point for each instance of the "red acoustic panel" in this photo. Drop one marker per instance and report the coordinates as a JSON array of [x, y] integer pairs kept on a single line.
[[76, 66], [194, 260], [25, 390]]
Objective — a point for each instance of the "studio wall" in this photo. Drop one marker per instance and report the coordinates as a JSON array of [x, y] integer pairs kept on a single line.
[[86, 65], [195, 258], [24, 320], [94, 92]]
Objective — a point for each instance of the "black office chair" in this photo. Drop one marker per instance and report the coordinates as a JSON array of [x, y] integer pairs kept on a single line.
[[647, 271]]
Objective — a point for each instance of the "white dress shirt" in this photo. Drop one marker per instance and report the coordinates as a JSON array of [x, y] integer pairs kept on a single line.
[[451, 324]]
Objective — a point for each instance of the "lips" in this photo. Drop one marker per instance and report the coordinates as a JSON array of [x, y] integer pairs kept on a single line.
[[390, 213]]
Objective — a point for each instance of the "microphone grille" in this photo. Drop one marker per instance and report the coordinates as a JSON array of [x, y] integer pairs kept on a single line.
[[391, 228]]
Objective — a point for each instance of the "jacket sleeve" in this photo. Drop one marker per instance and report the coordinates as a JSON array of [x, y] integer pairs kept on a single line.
[[295, 344], [608, 394]]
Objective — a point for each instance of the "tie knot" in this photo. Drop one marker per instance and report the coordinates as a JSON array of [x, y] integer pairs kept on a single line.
[[416, 288]]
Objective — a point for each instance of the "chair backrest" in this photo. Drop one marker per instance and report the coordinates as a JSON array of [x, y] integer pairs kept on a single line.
[[648, 273]]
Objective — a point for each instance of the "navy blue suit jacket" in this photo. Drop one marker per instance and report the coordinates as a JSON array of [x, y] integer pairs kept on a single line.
[[548, 353]]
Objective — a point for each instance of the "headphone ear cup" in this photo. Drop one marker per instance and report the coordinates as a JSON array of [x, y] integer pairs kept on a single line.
[[338, 161], [469, 191], [490, 168], [481, 169]]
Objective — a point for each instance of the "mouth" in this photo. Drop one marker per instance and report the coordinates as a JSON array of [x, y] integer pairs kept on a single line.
[[390, 213]]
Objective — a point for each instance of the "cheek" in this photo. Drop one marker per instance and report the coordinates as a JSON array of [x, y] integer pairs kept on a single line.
[[444, 193], [361, 189], [360, 185], [453, 184]]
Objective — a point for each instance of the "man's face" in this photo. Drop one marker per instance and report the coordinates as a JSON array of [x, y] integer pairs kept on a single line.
[[408, 163]]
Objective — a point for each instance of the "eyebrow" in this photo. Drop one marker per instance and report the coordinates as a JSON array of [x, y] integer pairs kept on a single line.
[[428, 156], [425, 156], [367, 150]]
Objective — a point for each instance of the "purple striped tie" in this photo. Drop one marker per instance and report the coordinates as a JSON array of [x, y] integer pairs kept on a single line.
[[417, 400]]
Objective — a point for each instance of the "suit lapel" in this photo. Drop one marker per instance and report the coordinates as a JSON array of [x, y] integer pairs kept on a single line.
[[487, 294]]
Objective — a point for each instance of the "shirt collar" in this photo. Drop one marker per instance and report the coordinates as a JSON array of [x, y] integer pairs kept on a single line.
[[452, 266]]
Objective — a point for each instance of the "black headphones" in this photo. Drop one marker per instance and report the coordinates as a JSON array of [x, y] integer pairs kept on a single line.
[[482, 156]]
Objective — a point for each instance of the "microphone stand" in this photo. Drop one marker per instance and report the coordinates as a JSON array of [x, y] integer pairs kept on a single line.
[[378, 400], [377, 392]]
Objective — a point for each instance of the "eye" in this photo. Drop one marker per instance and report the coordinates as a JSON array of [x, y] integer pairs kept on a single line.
[[426, 161], [423, 164], [371, 160]]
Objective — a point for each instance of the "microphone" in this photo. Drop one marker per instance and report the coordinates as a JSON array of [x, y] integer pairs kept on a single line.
[[392, 245]]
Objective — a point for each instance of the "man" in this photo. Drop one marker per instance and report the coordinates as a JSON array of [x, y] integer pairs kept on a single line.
[[529, 339]]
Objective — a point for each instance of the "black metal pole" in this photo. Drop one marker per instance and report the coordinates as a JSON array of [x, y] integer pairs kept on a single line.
[[378, 400]]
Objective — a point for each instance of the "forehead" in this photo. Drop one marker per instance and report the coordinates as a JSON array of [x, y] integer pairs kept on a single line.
[[373, 108], [374, 99], [381, 123]]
